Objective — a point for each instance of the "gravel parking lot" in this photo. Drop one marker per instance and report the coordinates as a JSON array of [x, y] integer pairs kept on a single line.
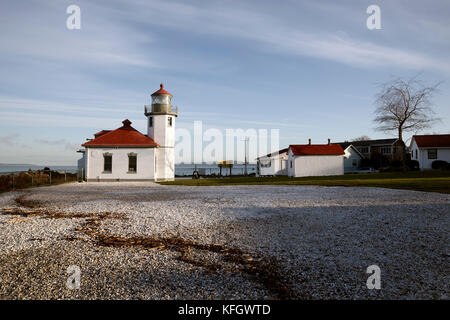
[[147, 241]]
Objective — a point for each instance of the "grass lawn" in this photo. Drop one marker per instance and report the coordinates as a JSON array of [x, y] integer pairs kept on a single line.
[[431, 181]]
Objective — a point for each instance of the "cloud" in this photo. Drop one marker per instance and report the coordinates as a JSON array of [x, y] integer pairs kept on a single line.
[[39, 31], [9, 140], [119, 35], [12, 103], [282, 36], [68, 146]]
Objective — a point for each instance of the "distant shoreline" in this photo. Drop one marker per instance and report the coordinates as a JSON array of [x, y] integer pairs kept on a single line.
[[6, 168]]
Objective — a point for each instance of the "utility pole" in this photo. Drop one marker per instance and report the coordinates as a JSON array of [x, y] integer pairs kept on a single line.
[[245, 161]]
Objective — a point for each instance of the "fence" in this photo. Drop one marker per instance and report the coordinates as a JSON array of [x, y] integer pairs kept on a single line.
[[25, 179]]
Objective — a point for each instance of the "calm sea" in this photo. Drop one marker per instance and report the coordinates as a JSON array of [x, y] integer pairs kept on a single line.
[[18, 168], [180, 169], [207, 169]]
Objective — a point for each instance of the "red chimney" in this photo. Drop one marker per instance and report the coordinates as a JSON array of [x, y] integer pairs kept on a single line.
[[309, 141]]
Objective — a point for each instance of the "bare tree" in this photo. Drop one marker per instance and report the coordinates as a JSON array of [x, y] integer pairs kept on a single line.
[[362, 138], [404, 105]]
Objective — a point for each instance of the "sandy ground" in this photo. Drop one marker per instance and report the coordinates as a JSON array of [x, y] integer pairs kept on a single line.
[[147, 241]]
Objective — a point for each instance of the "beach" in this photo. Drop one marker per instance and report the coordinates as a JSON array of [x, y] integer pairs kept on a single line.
[[141, 240]]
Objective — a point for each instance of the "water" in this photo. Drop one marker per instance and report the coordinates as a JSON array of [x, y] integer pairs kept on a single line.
[[207, 169], [26, 167], [180, 169]]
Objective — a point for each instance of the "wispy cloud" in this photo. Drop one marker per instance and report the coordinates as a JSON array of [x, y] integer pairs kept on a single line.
[[43, 35], [123, 35], [9, 140], [69, 146], [277, 35], [12, 103]]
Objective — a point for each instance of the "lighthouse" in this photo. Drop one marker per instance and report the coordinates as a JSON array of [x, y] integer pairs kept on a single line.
[[125, 154], [161, 129]]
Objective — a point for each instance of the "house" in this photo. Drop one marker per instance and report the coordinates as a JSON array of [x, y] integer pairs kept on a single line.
[[380, 152], [315, 160], [427, 148], [273, 164], [125, 154], [352, 157]]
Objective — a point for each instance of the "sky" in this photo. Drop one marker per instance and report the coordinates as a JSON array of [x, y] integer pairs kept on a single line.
[[308, 68]]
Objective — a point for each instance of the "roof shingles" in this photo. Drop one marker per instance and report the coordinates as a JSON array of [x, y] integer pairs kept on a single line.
[[433, 141], [125, 136], [316, 149]]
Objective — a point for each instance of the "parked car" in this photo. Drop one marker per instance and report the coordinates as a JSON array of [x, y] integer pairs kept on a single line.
[[366, 170]]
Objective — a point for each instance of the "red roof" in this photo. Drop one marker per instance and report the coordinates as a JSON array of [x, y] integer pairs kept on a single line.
[[161, 91], [125, 136], [316, 149], [433, 140], [100, 133]]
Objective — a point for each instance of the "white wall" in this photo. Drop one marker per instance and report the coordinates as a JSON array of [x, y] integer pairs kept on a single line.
[[304, 166], [160, 132], [165, 164], [164, 135], [278, 165], [349, 156], [145, 164]]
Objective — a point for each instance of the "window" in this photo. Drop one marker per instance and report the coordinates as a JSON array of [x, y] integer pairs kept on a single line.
[[266, 163], [416, 155], [150, 122], [364, 149], [385, 150], [107, 162], [132, 162], [290, 163], [432, 154], [170, 121], [354, 162], [161, 99]]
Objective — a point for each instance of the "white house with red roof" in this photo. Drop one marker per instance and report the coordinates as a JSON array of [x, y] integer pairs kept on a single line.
[[428, 148], [125, 154], [315, 160]]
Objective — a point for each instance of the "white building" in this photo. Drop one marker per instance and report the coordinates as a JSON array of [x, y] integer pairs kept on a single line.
[[273, 164], [427, 148], [352, 157], [315, 160], [125, 154]]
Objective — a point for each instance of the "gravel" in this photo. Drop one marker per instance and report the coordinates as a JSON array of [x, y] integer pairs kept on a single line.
[[136, 240]]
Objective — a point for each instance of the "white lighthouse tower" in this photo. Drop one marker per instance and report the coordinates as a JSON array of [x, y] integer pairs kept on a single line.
[[161, 128]]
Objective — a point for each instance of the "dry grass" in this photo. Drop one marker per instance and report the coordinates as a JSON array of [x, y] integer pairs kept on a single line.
[[22, 180]]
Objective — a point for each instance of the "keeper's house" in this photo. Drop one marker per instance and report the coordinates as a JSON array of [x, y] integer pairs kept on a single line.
[[315, 160]]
